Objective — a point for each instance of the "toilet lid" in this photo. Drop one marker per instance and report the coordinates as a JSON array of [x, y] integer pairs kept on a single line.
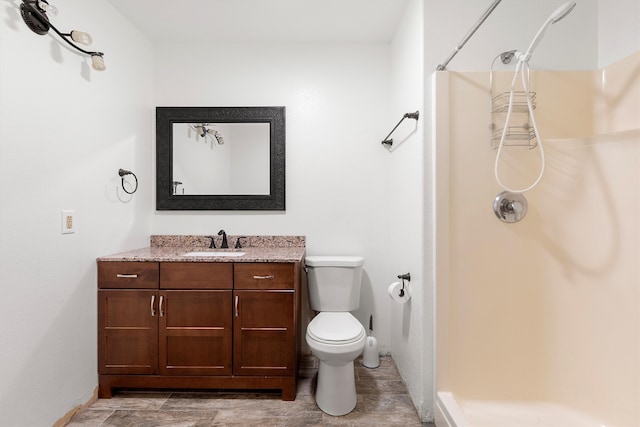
[[335, 328]]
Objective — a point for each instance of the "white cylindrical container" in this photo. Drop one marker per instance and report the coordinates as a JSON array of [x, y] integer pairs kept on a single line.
[[370, 356]]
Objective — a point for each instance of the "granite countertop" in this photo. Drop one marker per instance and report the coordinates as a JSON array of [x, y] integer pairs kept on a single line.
[[255, 249]]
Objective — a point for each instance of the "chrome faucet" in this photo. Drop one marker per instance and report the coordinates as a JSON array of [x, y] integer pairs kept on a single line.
[[224, 244]]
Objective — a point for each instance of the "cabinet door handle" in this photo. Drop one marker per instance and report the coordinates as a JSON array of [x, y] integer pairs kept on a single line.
[[126, 276], [263, 277], [160, 306], [153, 310], [237, 304]]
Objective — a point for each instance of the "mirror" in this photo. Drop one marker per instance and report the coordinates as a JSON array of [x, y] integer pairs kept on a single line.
[[220, 158]]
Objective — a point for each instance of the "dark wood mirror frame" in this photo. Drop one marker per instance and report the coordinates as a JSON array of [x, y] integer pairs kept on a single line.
[[167, 116]]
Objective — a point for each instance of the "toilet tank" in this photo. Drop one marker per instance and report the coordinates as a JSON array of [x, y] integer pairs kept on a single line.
[[334, 282]]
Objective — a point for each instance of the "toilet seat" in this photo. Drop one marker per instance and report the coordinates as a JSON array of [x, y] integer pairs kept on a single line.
[[335, 328]]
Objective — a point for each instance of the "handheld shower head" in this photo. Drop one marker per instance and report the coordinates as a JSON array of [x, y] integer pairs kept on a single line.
[[556, 16], [523, 65], [562, 11]]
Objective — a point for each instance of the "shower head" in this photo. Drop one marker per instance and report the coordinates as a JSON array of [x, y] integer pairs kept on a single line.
[[562, 11], [556, 16]]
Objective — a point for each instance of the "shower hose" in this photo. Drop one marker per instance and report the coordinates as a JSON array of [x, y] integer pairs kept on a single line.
[[522, 68]]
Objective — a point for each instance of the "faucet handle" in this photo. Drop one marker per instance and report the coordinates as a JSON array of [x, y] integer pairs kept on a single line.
[[238, 243], [212, 245]]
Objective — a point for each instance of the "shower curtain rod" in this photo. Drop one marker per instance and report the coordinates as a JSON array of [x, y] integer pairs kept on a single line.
[[443, 66]]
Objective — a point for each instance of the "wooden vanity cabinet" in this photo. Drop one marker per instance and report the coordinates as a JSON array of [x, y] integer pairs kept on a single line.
[[127, 323], [197, 325], [178, 328], [195, 318], [127, 332], [264, 319]]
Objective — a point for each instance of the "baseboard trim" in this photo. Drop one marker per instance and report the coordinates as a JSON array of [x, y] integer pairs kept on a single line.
[[67, 417]]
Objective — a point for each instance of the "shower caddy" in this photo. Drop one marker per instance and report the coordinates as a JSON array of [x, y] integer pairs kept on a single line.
[[519, 132]]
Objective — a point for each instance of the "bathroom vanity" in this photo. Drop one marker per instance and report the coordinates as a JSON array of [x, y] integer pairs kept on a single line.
[[212, 319]]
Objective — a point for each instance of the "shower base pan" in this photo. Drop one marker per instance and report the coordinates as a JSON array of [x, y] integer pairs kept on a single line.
[[453, 412]]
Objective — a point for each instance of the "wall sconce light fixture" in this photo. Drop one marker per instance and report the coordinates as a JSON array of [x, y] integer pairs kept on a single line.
[[203, 131], [34, 14]]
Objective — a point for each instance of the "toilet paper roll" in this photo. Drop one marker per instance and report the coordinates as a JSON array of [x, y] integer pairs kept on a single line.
[[395, 290]]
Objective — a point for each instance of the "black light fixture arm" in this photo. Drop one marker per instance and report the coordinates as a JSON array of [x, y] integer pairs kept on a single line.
[[66, 36], [414, 115], [34, 14]]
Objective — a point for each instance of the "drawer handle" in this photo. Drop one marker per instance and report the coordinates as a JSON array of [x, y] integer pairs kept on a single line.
[[127, 276], [237, 304], [264, 277], [160, 306], [153, 310]]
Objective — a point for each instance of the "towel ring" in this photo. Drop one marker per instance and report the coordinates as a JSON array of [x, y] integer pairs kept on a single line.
[[123, 173]]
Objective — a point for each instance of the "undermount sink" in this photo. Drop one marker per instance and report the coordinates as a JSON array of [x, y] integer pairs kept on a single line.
[[213, 254]]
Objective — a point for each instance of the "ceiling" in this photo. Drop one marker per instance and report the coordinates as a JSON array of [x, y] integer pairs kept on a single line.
[[254, 21]]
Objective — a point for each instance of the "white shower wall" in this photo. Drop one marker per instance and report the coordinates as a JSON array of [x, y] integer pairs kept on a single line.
[[546, 309]]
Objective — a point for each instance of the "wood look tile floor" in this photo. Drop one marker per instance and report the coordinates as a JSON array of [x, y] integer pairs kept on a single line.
[[382, 401]]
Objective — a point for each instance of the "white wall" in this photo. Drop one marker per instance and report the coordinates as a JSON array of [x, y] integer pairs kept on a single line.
[[570, 44], [65, 130], [337, 112], [618, 30], [411, 323], [595, 34]]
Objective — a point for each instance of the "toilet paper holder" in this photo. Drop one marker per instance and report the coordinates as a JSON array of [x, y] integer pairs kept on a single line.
[[403, 277]]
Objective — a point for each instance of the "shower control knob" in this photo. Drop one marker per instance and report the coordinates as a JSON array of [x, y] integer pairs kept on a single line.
[[510, 207]]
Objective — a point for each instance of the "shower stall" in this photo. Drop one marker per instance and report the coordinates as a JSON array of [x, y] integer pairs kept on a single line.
[[538, 322]]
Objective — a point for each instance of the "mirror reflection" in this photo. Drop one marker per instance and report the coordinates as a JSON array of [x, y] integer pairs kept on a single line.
[[221, 158]]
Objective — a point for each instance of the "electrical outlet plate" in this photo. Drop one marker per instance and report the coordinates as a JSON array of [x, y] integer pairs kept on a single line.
[[68, 222]]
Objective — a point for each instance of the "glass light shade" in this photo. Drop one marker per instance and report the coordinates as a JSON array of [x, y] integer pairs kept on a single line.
[[97, 62], [81, 37], [51, 10]]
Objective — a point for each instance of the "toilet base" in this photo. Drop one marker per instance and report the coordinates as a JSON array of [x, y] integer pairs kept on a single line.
[[336, 389]]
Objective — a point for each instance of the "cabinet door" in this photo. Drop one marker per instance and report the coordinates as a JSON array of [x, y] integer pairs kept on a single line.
[[264, 338], [127, 332], [195, 332]]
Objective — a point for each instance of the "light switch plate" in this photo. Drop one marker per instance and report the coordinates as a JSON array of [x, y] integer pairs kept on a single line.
[[68, 222]]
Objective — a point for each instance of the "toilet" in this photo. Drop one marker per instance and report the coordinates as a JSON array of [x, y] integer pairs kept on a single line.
[[334, 335]]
